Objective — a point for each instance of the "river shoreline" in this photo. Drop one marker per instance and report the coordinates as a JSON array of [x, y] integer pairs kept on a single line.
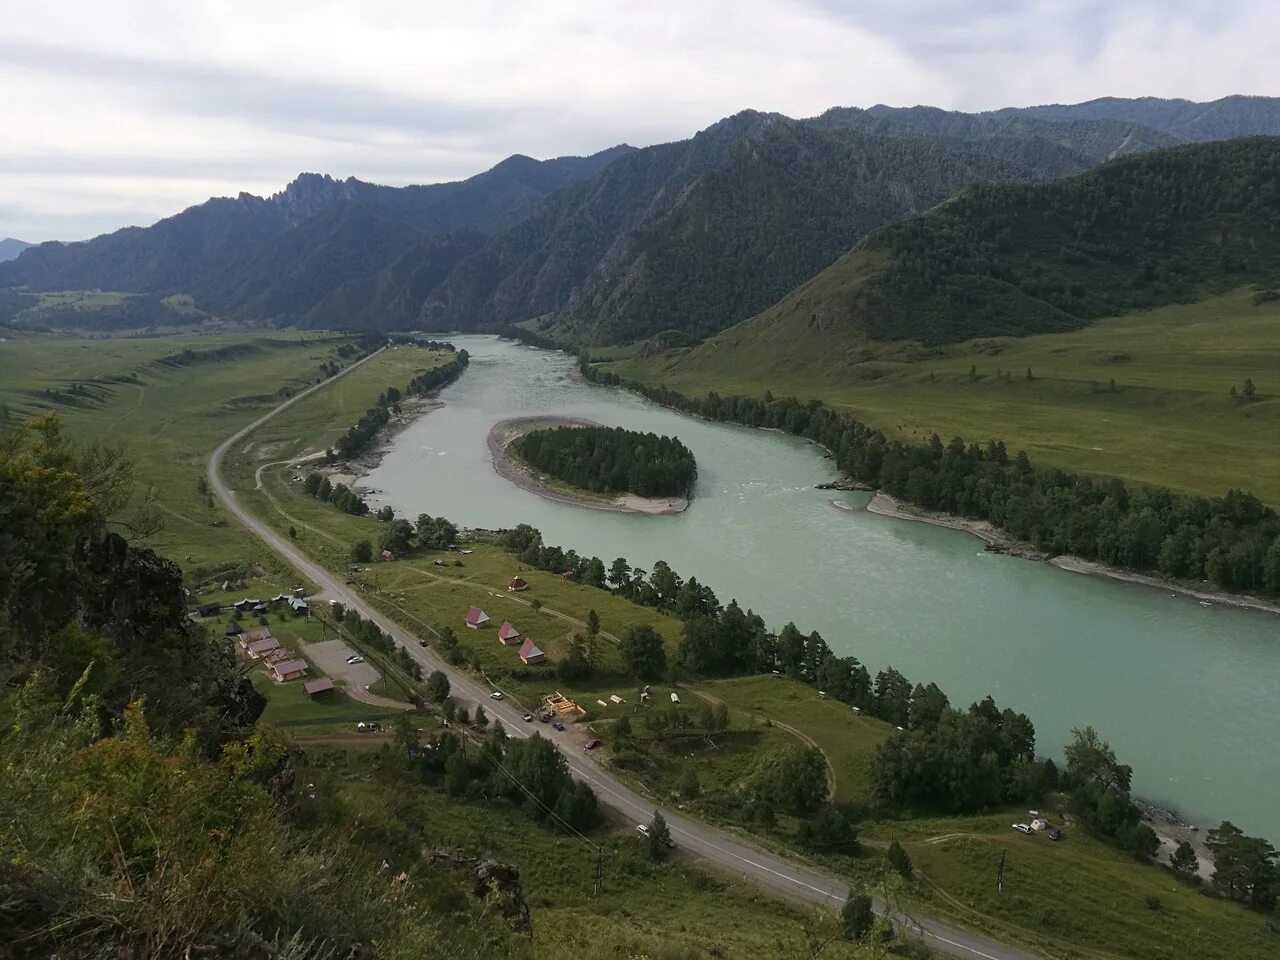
[[509, 468], [884, 505], [353, 472]]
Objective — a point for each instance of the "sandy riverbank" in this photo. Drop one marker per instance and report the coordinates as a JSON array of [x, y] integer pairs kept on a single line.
[[518, 473], [352, 472], [887, 506]]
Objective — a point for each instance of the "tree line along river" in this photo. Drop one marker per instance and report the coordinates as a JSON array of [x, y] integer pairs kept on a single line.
[[1186, 694]]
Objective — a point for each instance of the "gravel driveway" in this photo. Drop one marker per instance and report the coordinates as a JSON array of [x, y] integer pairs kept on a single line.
[[331, 657]]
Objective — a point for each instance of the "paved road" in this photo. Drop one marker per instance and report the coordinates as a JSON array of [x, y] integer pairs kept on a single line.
[[691, 836]]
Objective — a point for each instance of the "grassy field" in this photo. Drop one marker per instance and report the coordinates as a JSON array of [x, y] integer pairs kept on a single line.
[[1074, 898], [168, 416], [849, 741], [1170, 421], [667, 911]]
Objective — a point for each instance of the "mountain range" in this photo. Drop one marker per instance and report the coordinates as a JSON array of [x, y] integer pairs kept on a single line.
[[1006, 259], [691, 236]]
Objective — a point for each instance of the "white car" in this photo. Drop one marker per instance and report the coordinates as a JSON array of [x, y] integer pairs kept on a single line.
[[496, 695], [1023, 828], [642, 829], [355, 658]]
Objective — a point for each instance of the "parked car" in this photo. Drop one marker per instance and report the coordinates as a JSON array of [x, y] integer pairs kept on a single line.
[[355, 658], [1023, 828], [592, 744], [527, 717], [1055, 834], [496, 695], [558, 725], [642, 829]]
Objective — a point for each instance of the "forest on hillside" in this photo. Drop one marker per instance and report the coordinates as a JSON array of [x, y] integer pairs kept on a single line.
[[611, 460], [1016, 259]]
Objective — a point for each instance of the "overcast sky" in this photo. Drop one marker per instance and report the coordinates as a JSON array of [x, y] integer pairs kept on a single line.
[[121, 113]]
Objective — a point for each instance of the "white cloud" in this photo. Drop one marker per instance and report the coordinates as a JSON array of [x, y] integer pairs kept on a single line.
[[120, 113]]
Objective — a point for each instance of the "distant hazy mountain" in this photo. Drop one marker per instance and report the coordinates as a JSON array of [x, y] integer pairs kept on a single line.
[[10, 248], [1014, 259], [275, 258], [1185, 120]]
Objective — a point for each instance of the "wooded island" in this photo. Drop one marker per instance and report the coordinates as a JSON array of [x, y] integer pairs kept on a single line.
[[611, 460]]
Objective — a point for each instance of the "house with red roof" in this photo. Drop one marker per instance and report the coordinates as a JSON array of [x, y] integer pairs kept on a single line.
[[507, 634], [518, 585], [530, 654], [476, 618]]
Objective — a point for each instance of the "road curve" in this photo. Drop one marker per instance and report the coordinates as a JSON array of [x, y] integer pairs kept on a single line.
[[693, 837]]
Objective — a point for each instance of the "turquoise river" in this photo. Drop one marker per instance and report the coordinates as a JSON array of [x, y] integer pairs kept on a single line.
[[1186, 694]]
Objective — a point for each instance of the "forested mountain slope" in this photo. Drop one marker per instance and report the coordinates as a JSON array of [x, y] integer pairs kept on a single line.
[[275, 258], [1014, 259], [700, 234]]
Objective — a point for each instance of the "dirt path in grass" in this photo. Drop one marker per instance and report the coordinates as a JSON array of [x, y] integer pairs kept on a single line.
[[798, 734]]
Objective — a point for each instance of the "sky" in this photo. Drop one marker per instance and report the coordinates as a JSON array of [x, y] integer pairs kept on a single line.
[[121, 113]]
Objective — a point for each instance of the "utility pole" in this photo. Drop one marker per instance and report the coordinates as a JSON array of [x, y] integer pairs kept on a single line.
[[1000, 875], [599, 871]]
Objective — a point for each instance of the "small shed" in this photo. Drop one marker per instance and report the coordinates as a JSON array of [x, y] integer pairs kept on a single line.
[[282, 671], [507, 634], [234, 629], [518, 585], [318, 688], [570, 575], [476, 618], [209, 609], [387, 555], [298, 605], [530, 654]]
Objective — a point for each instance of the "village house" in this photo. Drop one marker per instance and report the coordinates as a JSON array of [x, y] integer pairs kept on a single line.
[[253, 636], [530, 654], [476, 618], [507, 634], [282, 671], [298, 605], [234, 629], [518, 585], [259, 649], [209, 609]]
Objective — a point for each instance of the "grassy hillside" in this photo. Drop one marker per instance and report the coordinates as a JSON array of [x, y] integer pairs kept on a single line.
[[1171, 419], [1017, 259], [168, 408]]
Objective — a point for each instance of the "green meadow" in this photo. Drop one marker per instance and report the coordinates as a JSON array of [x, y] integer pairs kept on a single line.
[[1170, 419]]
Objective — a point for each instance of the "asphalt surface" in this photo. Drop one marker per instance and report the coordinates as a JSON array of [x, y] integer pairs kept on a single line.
[[692, 837]]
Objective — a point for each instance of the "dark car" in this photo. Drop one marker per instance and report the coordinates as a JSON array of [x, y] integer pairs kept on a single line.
[[558, 725], [1055, 834], [592, 744]]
